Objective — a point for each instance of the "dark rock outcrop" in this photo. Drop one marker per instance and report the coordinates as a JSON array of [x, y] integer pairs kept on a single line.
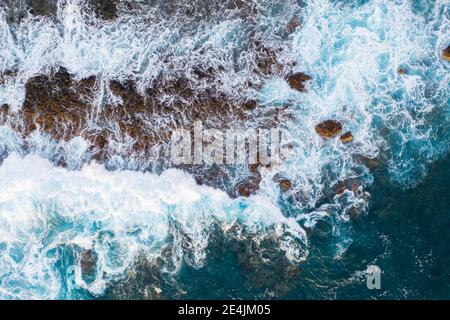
[[104, 9], [285, 185], [64, 108], [88, 264], [42, 7]]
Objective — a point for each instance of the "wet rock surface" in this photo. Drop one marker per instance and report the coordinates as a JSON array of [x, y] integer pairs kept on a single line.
[[284, 183], [248, 186], [104, 9], [297, 81], [138, 125], [88, 262], [42, 7], [446, 54], [122, 120], [346, 137], [328, 128]]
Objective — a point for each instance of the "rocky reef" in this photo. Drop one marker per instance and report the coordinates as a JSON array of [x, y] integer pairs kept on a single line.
[[138, 125]]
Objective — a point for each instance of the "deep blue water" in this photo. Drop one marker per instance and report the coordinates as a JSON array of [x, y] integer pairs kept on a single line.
[[405, 233]]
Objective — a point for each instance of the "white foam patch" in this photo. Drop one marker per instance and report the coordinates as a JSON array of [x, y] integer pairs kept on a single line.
[[118, 215], [353, 54]]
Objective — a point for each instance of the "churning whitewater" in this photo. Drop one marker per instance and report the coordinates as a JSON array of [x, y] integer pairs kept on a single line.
[[90, 205]]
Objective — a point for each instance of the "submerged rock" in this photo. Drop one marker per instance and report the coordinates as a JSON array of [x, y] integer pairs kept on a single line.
[[340, 187], [328, 128], [446, 54], [296, 81], [266, 60], [88, 264], [284, 183], [42, 7], [373, 163], [401, 71], [248, 186], [104, 9], [292, 25], [347, 137]]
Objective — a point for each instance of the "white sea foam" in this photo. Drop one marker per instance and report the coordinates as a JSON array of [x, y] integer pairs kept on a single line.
[[354, 54], [117, 214]]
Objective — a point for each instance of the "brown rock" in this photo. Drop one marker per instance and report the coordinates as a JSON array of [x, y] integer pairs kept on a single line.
[[4, 108], [250, 105], [266, 60], [401, 71], [88, 262], [340, 187], [292, 25], [104, 9], [371, 163], [328, 128], [249, 186], [285, 185], [446, 54], [347, 137], [62, 107], [253, 167], [296, 81]]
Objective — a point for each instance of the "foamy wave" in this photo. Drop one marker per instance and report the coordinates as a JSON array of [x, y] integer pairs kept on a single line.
[[355, 54], [45, 210]]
